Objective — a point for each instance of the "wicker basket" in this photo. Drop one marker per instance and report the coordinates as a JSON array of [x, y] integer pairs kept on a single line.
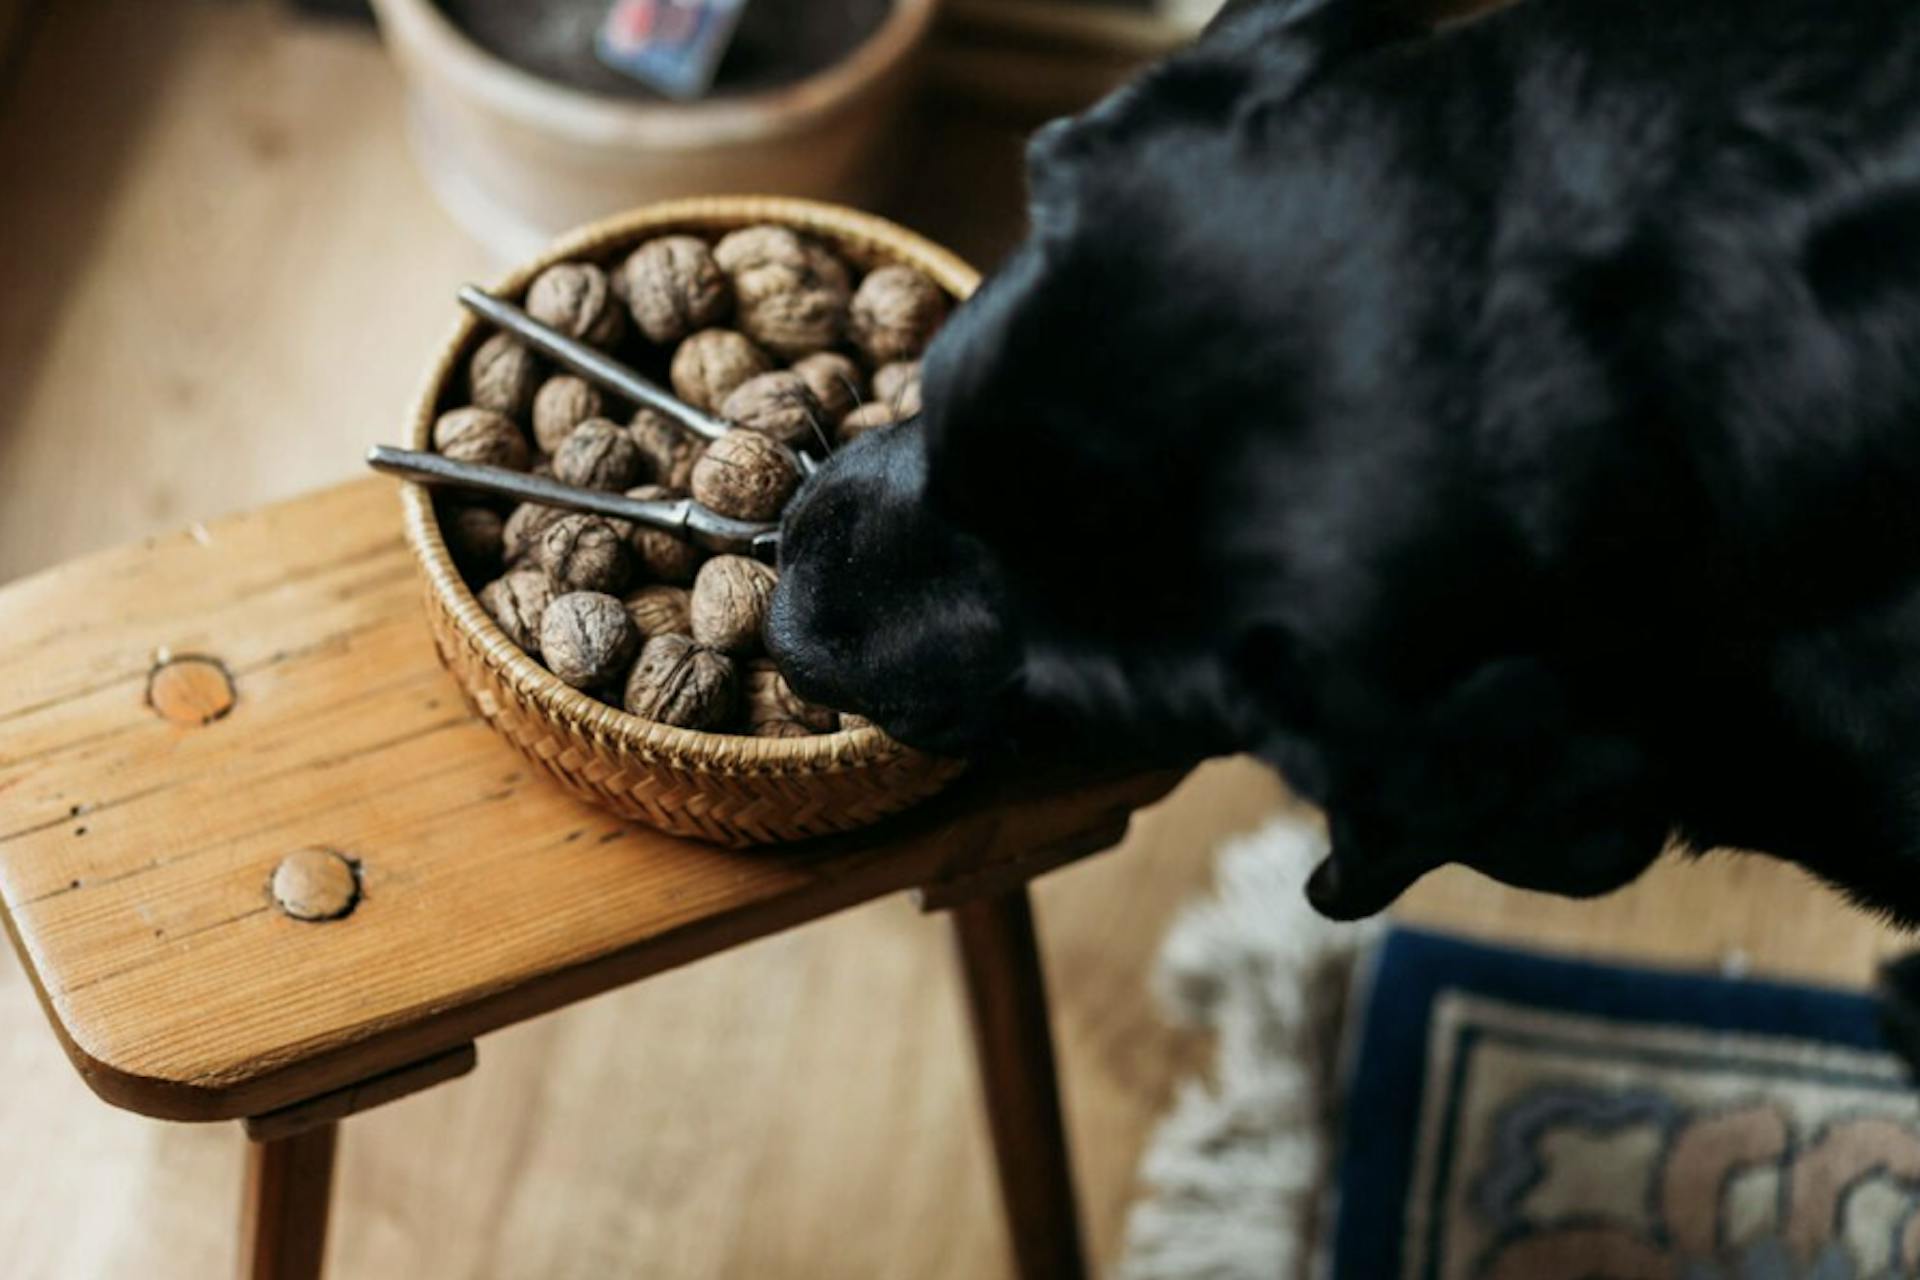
[[731, 790]]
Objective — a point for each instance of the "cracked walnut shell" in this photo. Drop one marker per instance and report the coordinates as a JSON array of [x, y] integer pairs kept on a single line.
[[681, 683], [518, 602]]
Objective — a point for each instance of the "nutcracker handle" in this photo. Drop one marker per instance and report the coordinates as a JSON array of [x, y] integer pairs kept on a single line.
[[682, 517], [599, 368]]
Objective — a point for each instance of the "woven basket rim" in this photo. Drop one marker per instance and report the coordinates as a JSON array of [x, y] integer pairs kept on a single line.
[[864, 747]]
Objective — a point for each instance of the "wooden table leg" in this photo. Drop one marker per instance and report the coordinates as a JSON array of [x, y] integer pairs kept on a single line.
[[283, 1220], [1013, 1043]]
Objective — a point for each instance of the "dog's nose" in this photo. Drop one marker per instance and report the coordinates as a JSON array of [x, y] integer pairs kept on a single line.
[[781, 634], [1323, 888], [1337, 894], [807, 670]]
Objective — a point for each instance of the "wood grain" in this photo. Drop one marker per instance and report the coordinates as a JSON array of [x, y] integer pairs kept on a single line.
[[190, 689], [1013, 1052], [728, 1119], [223, 275], [286, 1200], [725, 1120], [356, 1099], [1741, 913], [135, 850]]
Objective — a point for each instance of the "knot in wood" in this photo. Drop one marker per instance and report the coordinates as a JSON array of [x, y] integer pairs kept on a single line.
[[190, 690], [316, 885]]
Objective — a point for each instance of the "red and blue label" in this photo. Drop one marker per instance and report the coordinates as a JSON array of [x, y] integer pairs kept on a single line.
[[673, 46]]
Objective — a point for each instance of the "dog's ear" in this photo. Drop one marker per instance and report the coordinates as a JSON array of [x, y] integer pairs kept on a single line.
[[1506, 773]]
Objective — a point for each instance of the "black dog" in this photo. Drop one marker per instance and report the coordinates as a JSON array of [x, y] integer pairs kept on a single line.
[[1510, 431]]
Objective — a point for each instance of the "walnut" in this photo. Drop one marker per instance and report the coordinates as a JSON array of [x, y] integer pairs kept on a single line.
[[752, 248], [577, 299], [600, 455], [745, 475], [895, 313], [502, 376], [670, 448], [518, 602], [475, 536], [710, 364], [781, 253], [587, 639], [777, 404], [729, 604], [660, 610], [563, 403], [660, 556], [791, 293], [584, 553], [826, 267], [794, 322], [523, 527], [897, 385], [778, 729], [768, 697], [481, 435], [868, 417], [679, 682], [850, 722], [673, 287], [834, 380]]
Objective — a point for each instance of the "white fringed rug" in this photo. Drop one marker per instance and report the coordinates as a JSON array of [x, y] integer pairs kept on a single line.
[[1236, 1175]]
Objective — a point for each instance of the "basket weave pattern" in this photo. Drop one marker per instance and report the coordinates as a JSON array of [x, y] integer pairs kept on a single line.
[[727, 789]]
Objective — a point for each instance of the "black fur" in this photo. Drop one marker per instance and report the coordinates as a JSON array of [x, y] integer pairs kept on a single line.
[[1511, 432]]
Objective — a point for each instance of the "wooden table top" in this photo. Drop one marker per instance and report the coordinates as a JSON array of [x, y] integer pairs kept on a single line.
[[141, 819]]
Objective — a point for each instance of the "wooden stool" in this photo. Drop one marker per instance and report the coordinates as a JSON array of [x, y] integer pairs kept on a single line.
[[262, 863]]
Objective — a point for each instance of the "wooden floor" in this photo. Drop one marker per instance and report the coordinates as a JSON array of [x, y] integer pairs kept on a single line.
[[221, 277]]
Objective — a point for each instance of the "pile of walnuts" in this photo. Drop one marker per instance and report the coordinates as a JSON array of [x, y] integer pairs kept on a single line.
[[764, 328]]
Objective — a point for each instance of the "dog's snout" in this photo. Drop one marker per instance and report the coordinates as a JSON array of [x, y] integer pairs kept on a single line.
[[789, 646], [814, 664]]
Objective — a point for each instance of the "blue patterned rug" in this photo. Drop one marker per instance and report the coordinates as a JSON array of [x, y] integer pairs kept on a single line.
[[1514, 1117]]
